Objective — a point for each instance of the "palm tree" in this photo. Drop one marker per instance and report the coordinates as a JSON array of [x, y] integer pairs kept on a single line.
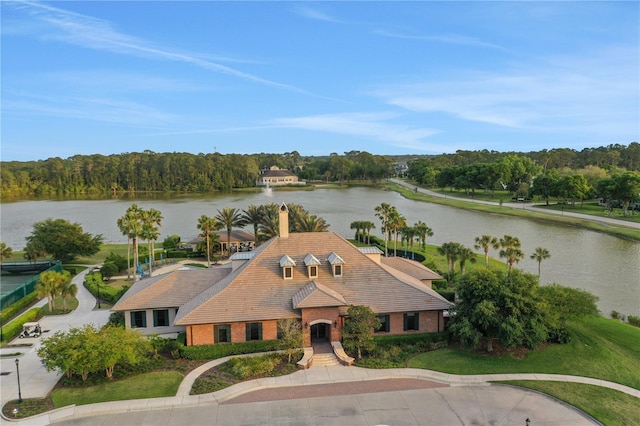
[[382, 213], [49, 286], [207, 224], [540, 254], [464, 254], [296, 213], [131, 225], [5, 252], [396, 221], [422, 232], [485, 242], [253, 215], [269, 221], [367, 225], [357, 225], [154, 218], [67, 289], [150, 233], [450, 250], [230, 218], [511, 250], [311, 223]]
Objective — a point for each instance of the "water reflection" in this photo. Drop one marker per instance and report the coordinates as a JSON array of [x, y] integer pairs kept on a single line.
[[605, 265]]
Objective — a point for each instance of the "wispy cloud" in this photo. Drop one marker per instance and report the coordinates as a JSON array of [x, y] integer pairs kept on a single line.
[[315, 14], [374, 126], [100, 109], [441, 38], [566, 94], [95, 33]]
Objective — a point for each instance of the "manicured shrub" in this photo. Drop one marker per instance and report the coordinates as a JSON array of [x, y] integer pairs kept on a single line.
[[119, 261], [108, 270], [14, 328], [447, 293], [226, 349], [14, 309], [107, 293], [176, 254], [241, 368]]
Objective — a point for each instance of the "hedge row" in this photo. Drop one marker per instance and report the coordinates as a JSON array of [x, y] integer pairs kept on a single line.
[[14, 328], [410, 339], [222, 350], [107, 293], [14, 309]]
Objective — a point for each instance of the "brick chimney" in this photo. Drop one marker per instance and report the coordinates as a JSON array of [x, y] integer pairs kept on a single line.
[[283, 216]]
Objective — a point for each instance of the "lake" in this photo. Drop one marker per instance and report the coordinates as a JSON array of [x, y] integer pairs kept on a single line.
[[607, 266]]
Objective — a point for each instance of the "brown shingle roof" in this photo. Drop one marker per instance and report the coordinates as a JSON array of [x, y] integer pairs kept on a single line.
[[257, 291], [170, 290], [411, 267], [316, 295], [276, 173]]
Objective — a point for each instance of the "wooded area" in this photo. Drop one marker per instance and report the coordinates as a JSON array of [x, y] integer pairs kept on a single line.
[[150, 171], [184, 172]]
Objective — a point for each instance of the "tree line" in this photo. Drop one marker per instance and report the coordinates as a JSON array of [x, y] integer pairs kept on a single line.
[[149, 171], [528, 175]]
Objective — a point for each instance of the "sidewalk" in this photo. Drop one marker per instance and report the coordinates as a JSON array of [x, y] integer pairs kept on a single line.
[[292, 387], [35, 380], [527, 206], [37, 383]]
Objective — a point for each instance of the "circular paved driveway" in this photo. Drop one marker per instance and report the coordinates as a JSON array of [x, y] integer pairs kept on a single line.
[[455, 405]]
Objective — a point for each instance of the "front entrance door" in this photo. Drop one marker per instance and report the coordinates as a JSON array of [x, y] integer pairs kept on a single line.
[[319, 333]]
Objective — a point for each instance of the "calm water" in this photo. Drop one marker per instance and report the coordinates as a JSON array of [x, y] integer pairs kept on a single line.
[[604, 265]]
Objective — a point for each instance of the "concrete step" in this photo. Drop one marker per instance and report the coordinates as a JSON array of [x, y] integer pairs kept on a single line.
[[324, 360]]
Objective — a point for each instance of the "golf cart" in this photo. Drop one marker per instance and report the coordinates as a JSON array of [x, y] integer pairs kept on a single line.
[[31, 329]]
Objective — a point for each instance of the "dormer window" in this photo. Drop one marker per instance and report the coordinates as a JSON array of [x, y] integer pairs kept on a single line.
[[312, 264], [287, 264], [337, 270], [336, 263]]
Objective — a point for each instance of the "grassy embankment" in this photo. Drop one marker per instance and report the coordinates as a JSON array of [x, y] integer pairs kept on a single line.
[[515, 210], [600, 348]]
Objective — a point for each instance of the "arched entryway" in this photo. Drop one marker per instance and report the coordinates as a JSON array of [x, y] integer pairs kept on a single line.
[[320, 332]]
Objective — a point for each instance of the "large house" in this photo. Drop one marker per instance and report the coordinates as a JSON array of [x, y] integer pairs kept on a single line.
[[276, 176], [310, 277]]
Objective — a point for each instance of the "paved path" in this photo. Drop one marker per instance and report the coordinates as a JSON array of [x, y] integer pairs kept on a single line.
[[352, 395], [527, 206], [35, 380]]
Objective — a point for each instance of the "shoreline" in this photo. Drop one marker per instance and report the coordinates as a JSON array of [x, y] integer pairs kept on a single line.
[[630, 231]]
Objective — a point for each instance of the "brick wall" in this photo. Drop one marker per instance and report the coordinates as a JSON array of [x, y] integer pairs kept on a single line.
[[310, 315], [201, 334], [428, 323]]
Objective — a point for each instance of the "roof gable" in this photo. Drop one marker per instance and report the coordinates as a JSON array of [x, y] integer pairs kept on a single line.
[[316, 295], [256, 290]]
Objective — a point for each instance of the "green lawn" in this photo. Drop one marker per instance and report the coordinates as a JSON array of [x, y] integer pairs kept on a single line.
[[525, 213], [148, 385], [608, 406], [105, 250], [72, 303], [593, 209], [600, 348]]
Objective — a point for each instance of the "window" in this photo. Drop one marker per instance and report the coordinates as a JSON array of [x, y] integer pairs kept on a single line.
[[337, 270], [254, 331], [161, 318], [288, 272], [384, 324], [411, 321], [138, 319], [222, 333], [313, 272]]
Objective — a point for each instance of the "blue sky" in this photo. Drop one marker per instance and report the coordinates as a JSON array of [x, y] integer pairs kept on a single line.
[[317, 77]]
